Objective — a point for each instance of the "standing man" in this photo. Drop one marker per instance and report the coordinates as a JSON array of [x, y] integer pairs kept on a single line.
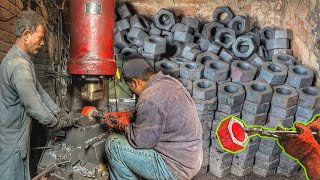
[[23, 98], [165, 139]]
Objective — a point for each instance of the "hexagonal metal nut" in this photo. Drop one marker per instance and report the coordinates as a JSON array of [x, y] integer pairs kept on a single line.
[[154, 30], [273, 52], [240, 24], [255, 37], [214, 47], [181, 27], [205, 106], [164, 19], [231, 93], [140, 22], [136, 36], [121, 40], [211, 29], [242, 71], [309, 97], [191, 70], [285, 59], [219, 11], [204, 42], [266, 33], [284, 96], [168, 67], [256, 60], [280, 43], [183, 37], [122, 25], [227, 56], [300, 76], [204, 89], [153, 57], [258, 92], [226, 37], [205, 57], [128, 51], [191, 21], [179, 61], [155, 45], [187, 83], [173, 50], [244, 47], [123, 10], [283, 33], [168, 35], [216, 70], [262, 52], [273, 73], [192, 54]]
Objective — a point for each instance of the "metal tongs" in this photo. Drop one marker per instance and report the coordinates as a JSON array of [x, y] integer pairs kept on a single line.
[[271, 133]]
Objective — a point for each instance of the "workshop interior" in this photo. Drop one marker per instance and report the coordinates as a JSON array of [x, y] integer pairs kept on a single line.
[[255, 60]]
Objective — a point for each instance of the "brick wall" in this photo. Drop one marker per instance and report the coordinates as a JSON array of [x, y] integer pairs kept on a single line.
[[301, 16]]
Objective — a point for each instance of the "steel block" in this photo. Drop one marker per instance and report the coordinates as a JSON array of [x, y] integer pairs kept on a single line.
[[242, 71], [282, 43], [231, 94], [299, 76], [155, 45], [216, 70], [243, 47], [204, 89], [168, 67], [273, 73], [140, 22], [285, 59], [137, 36], [191, 70], [226, 37], [164, 19], [240, 24], [183, 37], [217, 15], [284, 96], [309, 97], [191, 21]]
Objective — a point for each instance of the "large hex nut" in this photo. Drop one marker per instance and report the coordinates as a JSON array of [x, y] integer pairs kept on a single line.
[[183, 37], [128, 51], [154, 30], [231, 94], [181, 27], [258, 92], [254, 119], [256, 60], [285, 59], [137, 36], [190, 54], [191, 70], [280, 43], [226, 55], [168, 35], [299, 76], [273, 73], [255, 37], [307, 113], [309, 97], [204, 42], [211, 29], [191, 21], [205, 57], [204, 89], [121, 40], [140, 22], [123, 11], [226, 37], [283, 33], [168, 67], [122, 25], [266, 33], [273, 52], [283, 112], [155, 45], [187, 83], [242, 71], [173, 50], [205, 106], [240, 24], [262, 52], [214, 47], [284, 96], [256, 108], [243, 47], [179, 61], [153, 57], [216, 70], [164, 19], [219, 11]]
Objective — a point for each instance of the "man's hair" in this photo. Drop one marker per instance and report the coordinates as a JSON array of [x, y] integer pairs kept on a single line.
[[27, 20], [145, 76]]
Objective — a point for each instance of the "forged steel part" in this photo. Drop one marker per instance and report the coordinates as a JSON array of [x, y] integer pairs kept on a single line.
[[262, 52], [154, 30], [204, 89], [211, 29], [307, 113], [243, 47], [285, 59], [216, 70], [273, 52], [254, 119], [128, 51], [284, 96], [205, 57], [168, 35], [136, 36], [205, 107], [229, 109], [192, 54], [283, 33], [222, 15], [187, 83], [299, 76], [256, 108], [122, 25], [274, 73], [204, 42], [191, 70], [121, 40], [183, 37], [266, 33], [282, 112], [179, 61], [164, 19], [140, 22], [240, 24], [214, 47], [309, 97], [255, 36], [151, 62], [115, 50], [280, 43], [181, 27], [168, 67], [226, 55], [153, 57], [191, 21], [231, 94], [256, 60], [242, 71], [173, 50], [123, 11], [155, 45], [225, 37]]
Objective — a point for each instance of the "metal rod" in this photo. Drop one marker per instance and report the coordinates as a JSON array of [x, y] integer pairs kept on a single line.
[[274, 131], [115, 91]]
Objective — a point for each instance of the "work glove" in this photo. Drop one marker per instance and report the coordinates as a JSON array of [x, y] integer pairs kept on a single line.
[[315, 125], [117, 121], [305, 148], [66, 120]]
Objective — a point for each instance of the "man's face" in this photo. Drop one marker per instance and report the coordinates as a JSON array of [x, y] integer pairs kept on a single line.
[[35, 40]]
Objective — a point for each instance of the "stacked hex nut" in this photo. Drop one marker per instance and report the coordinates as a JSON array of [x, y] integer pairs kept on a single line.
[[308, 104], [288, 167]]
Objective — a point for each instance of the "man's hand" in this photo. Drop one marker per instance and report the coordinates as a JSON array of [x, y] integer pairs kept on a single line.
[[315, 126], [305, 148], [117, 120], [66, 120]]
